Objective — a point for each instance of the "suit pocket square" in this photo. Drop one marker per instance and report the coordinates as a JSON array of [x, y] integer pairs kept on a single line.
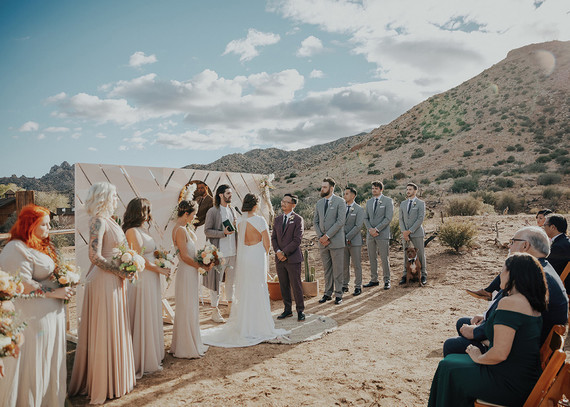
[[353, 214]]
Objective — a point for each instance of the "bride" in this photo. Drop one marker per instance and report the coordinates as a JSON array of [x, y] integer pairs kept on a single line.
[[250, 319]]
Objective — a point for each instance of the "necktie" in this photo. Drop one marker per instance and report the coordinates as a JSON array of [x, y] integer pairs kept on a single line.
[[347, 210], [409, 205], [284, 221], [326, 205], [375, 204]]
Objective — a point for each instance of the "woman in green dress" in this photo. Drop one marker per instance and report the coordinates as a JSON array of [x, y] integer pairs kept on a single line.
[[508, 371]]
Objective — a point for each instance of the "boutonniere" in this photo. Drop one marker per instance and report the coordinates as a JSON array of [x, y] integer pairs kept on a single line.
[[414, 204]]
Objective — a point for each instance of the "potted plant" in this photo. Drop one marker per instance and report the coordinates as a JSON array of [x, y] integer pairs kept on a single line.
[[310, 285], [274, 288]]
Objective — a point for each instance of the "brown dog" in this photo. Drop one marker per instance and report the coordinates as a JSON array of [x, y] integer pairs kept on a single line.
[[413, 266]]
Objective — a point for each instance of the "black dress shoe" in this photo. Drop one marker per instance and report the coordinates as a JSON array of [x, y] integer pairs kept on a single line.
[[337, 300], [402, 281], [371, 284], [387, 286], [424, 280], [325, 299], [300, 316], [357, 291], [344, 289], [285, 314]]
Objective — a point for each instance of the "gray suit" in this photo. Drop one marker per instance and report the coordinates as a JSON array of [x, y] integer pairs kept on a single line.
[[332, 255], [353, 249], [379, 245], [412, 221]]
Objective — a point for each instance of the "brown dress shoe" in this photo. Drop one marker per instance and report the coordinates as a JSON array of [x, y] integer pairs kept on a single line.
[[480, 294]]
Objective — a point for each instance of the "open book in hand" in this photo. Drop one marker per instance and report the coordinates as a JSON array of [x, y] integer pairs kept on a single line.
[[227, 224]]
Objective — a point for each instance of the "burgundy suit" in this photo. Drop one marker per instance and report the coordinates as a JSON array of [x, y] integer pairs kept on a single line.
[[288, 240]]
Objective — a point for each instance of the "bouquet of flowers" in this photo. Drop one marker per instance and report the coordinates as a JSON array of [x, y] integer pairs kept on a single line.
[[210, 254], [66, 275], [10, 286], [163, 259], [266, 182], [128, 260], [11, 337]]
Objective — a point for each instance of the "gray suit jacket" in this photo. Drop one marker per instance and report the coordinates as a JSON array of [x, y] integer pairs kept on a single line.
[[381, 218], [413, 221], [332, 223], [213, 228], [353, 225]]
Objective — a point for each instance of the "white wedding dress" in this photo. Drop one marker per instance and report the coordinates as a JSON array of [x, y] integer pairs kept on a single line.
[[250, 320]]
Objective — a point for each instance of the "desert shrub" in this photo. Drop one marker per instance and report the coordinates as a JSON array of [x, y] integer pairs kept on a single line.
[[467, 206], [535, 168], [398, 164], [543, 158], [504, 182], [399, 175], [425, 181], [511, 148], [374, 172], [488, 198], [452, 173], [395, 232], [465, 184], [371, 164], [510, 201], [467, 153], [548, 179], [418, 152], [389, 183], [551, 193], [489, 150], [457, 234]]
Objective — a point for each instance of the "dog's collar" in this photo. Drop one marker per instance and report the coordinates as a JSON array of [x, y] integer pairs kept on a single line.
[[412, 259]]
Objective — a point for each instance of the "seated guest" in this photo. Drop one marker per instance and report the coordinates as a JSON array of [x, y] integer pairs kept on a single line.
[[508, 371], [541, 216], [556, 227], [532, 240]]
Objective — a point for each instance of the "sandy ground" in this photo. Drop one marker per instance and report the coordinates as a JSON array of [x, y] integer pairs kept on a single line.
[[384, 352]]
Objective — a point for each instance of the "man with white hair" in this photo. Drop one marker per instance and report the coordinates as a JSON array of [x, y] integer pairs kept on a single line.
[[532, 240]]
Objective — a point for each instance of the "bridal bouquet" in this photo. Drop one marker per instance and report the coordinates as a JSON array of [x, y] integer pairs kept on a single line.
[[210, 254], [163, 259], [128, 260], [11, 337], [10, 286], [66, 275]]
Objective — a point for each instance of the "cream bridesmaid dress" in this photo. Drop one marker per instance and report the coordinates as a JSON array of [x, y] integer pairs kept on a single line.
[[186, 339], [145, 314], [104, 366], [38, 376]]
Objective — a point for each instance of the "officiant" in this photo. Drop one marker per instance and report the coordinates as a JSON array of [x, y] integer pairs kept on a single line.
[[220, 230]]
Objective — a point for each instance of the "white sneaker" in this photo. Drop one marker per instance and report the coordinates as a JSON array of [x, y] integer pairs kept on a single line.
[[216, 316]]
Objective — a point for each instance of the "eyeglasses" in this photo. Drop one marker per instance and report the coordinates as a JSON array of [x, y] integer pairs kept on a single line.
[[512, 241], [287, 202]]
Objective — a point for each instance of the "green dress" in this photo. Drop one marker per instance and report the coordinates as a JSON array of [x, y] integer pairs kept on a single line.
[[459, 381]]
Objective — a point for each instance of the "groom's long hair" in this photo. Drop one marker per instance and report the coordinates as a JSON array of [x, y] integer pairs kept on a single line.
[[220, 190]]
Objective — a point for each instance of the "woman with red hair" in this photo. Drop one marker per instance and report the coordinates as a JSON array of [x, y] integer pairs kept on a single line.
[[38, 376]]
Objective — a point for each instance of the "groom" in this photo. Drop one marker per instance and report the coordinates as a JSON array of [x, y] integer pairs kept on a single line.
[[225, 240], [286, 241]]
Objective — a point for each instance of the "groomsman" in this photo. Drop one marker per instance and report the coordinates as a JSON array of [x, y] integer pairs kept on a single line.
[[286, 241], [379, 213], [330, 214], [353, 240], [412, 214], [224, 239]]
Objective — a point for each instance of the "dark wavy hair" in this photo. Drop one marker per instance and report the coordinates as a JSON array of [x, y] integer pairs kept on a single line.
[[249, 201], [527, 276], [186, 207], [220, 190], [137, 213]]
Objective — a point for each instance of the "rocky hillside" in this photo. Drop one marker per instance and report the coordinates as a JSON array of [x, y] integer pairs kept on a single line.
[[59, 178]]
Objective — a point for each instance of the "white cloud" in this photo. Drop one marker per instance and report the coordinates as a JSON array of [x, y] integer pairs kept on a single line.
[[29, 126], [56, 98], [92, 149], [56, 129], [310, 46], [316, 73], [100, 136], [76, 136], [246, 48], [136, 141], [139, 58], [194, 140], [41, 136]]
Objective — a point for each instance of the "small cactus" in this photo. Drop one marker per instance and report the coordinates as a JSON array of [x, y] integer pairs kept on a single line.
[[307, 271]]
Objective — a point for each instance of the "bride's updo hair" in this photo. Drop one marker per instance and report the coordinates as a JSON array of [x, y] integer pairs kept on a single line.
[[186, 207], [249, 201]]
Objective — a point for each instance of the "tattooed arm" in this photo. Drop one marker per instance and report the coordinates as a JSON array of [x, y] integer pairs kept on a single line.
[[96, 232]]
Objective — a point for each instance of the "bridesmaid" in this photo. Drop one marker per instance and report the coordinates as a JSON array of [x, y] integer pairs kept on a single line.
[[38, 376], [104, 366], [186, 339], [145, 306]]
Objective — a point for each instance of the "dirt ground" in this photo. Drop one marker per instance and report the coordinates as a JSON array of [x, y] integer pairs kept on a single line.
[[384, 352]]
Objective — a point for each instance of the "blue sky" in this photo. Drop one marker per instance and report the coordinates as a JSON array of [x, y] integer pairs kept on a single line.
[[177, 82]]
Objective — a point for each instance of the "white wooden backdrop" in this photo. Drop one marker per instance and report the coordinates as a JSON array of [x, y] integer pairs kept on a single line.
[[161, 186]]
